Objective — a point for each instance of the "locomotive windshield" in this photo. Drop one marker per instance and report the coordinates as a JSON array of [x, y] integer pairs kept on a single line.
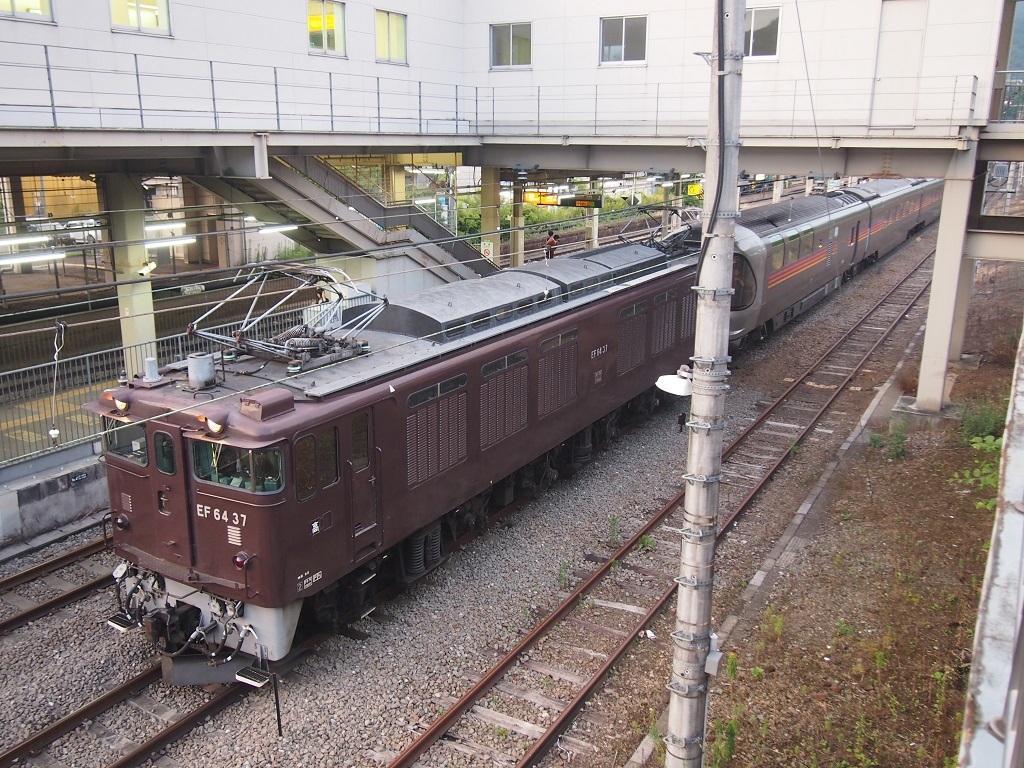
[[250, 470], [126, 440]]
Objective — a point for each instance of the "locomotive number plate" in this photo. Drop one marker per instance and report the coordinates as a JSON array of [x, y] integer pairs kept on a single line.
[[221, 515]]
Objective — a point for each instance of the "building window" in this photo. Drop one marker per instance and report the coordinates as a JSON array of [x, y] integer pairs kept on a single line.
[[510, 45], [26, 9], [761, 32], [326, 20], [391, 37], [623, 38], [140, 15]]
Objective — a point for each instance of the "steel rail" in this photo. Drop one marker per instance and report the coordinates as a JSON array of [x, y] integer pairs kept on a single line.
[[222, 699], [408, 757], [54, 564], [415, 750], [723, 525], [65, 598], [38, 741]]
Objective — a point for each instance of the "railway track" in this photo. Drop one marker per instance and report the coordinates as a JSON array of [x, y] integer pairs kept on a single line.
[[521, 709], [579, 643], [47, 574]]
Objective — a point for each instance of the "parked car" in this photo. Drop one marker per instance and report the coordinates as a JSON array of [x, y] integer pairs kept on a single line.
[[80, 232]]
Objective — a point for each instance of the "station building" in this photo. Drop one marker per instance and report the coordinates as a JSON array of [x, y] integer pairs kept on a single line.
[[314, 115]]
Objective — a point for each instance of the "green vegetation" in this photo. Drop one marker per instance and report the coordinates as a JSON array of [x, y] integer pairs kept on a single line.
[[732, 666], [614, 534], [984, 417], [647, 543], [720, 752], [898, 441], [563, 575], [984, 477]]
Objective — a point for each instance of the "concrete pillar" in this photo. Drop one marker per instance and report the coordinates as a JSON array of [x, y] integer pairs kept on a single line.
[[21, 213], [965, 286], [397, 178], [592, 227], [777, 188], [490, 201], [210, 247], [518, 240], [945, 290], [127, 204]]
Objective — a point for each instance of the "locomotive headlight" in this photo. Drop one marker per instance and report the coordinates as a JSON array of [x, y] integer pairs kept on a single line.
[[215, 422], [119, 397], [121, 522]]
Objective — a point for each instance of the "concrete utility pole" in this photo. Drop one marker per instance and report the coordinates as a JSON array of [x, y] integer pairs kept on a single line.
[[694, 657]]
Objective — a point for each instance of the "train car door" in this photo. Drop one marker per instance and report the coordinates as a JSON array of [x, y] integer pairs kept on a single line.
[[361, 460], [170, 479]]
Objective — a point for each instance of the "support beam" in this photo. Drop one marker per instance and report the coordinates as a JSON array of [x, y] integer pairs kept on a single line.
[[965, 284], [490, 199], [956, 200], [518, 239], [127, 203]]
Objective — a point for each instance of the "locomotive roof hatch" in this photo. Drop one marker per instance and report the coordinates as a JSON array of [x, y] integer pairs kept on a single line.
[[447, 312], [266, 404]]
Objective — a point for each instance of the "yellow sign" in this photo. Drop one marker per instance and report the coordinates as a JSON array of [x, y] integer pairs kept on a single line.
[[536, 197], [694, 190]]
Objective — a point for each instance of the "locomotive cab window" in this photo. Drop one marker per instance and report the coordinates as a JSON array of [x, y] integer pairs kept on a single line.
[[247, 470], [742, 283], [163, 447], [126, 440], [360, 442]]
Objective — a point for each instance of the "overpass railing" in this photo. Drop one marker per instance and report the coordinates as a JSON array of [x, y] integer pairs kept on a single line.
[[41, 86], [36, 398]]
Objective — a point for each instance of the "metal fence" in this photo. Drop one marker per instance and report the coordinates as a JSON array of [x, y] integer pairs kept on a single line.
[[41, 86], [41, 397]]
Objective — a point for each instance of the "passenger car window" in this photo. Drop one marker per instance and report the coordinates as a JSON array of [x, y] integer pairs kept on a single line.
[[776, 252]]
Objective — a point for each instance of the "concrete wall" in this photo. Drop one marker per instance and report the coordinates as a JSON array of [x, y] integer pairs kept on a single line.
[[51, 499], [227, 53]]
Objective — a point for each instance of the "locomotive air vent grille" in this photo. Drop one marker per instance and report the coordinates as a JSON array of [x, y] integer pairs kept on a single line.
[[435, 438], [664, 326], [632, 342], [557, 375], [689, 326], [126, 502], [503, 406]]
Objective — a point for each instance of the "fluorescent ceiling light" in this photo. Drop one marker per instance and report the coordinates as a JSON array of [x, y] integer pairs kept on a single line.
[[28, 258], [24, 239], [425, 201], [165, 225], [278, 228], [170, 241]]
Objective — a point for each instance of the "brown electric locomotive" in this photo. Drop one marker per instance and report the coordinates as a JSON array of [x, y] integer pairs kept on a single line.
[[264, 490]]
